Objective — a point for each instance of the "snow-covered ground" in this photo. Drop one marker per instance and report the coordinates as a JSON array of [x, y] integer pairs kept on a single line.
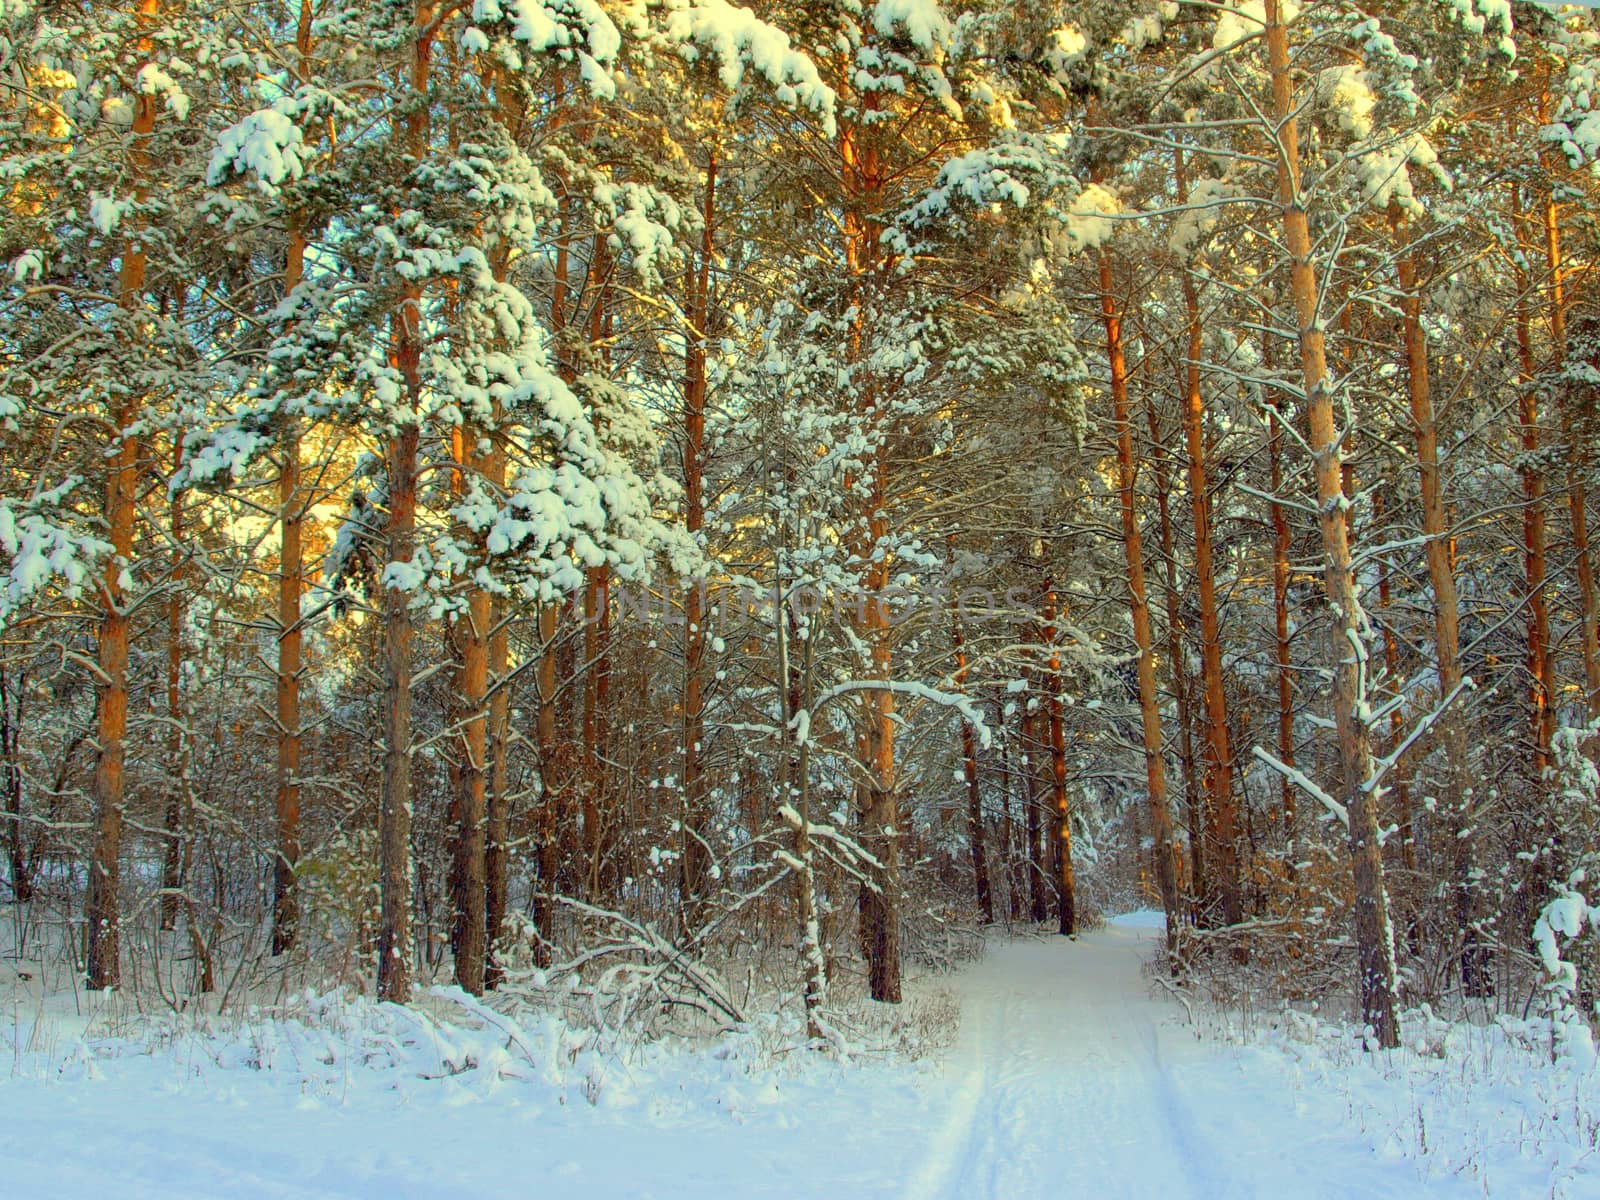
[[1068, 1077]]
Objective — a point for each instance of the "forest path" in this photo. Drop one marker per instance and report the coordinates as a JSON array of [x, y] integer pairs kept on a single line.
[[1070, 1075]]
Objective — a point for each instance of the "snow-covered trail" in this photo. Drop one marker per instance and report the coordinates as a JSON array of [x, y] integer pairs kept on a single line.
[[1069, 1074], [1068, 1078], [1060, 1073]]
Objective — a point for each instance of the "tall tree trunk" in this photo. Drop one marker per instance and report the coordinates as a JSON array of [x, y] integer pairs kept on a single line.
[[102, 910], [1577, 468], [1066, 880], [1155, 766], [285, 903], [595, 771], [1007, 826], [1034, 858], [1374, 946], [878, 802], [1577, 447], [177, 734], [497, 831], [1194, 799], [1280, 624], [1223, 853], [469, 932], [11, 783], [291, 586], [497, 817], [549, 783], [569, 720], [1577, 503], [1542, 718], [1446, 621], [596, 585], [794, 792], [609, 821], [551, 737], [880, 812], [1281, 544], [468, 646], [698, 315], [394, 818], [969, 773]]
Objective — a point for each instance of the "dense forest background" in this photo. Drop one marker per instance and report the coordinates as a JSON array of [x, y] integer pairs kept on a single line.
[[535, 486]]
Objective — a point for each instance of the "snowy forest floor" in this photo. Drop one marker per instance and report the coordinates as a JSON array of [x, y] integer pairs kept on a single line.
[[1069, 1073]]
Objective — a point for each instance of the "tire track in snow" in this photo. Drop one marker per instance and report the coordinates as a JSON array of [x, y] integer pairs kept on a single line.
[[950, 1148], [1179, 1126]]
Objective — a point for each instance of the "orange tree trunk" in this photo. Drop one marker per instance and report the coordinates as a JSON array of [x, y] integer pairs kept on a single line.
[[1223, 852], [1066, 880], [878, 801], [497, 803], [285, 905], [1457, 790], [1034, 856], [1577, 453], [102, 909], [1155, 768], [1194, 800], [1541, 691]]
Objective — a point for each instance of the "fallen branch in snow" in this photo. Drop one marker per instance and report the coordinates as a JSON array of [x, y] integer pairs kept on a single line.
[[1177, 994], [666, 961], [480, 1010]]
